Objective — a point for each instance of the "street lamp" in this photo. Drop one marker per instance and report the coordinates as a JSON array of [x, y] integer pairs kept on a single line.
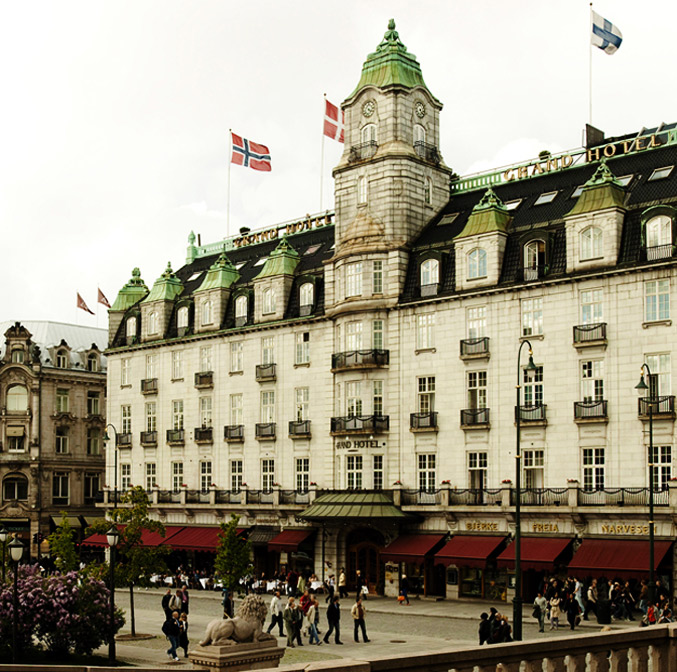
[[4, 534], [115, 453], [16, 551], [517, 600], [112, 537], [649, 401]]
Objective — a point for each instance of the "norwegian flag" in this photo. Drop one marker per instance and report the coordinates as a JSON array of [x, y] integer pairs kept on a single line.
[[332, 126], [250, 154], [83, 306], [102, 298]]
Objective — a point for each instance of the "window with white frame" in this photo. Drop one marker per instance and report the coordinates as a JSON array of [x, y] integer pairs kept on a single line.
[[377, 334], [16, 444], [592, 380], [62, 400], [476, 321], [205, 475], [419, 133], [125, 477], [532, 316], [61, 443], [425, 331], [534, 259], [130, 327], [182, 317], [591, 243], [476, 384], [477, 470], [267, 475], [307, 294], [302, 399], [236, 471], [151, 366], [302, 347], [354, 398], [532, 382], [205, 412], [91, 486], [377, 277], [377, 472], [302, 474], [353, 336], [60, 487], [593, 468], [126, 416], [93, 406], [15, 487], [177, 414], [241, 309], [656, 300], [533, 464], [236, 357], [377, 397], [268, 350], [426, 472], [426, 394], [177, 476], [660, 383], [660, 464], [591, 306], [92, 361], [152, 322], [177, 365], [354, 472], [17, 399], [125, 367], [18, 356], [151, 475], [206, 363], [354, 279], [236, 409], [368, 133], [93, 441], [151, 417], [207, 313], [62, 359], [659, 231], [362, 190], [430, 272], [268, 406], [477, 263], [268, 296]]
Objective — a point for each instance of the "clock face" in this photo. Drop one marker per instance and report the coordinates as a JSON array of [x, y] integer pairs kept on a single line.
[[420, 109], [368, 108]]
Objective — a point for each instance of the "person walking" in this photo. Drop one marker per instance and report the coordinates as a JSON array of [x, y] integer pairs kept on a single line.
[[183, 635], [299, 620], [276, 613], [342, 584], [361, 584], [334, 621], [357, 612], [185, 599], [176, 601], [591, 605], [172, 630], [485, 628], [289, 625], [165, 603], [555, 611], [404, 589], [312, 627], [329, 586], [572, 609], [541, 604]]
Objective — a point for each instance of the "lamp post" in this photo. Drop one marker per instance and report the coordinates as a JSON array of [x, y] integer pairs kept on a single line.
[[649, 401], [112, 537], [517, 600], [4, 534], [16, 551], [115, 453]]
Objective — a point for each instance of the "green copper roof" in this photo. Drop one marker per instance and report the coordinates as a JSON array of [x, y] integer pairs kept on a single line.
[[283, 261], [131, 293], [390, 64], [489, 215], [166, 288], [353, 505], [221, 274], [600, 192]]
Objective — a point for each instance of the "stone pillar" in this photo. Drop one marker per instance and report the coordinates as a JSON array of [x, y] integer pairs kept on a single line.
[[639, 658], [444, 495], [618, 661], [572, 494], [575, 663], [237, 657], [505, 495], [397, 494], [599, 661], [554, 665]]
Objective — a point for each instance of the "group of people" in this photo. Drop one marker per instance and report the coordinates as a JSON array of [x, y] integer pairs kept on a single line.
[[494, 628], [175, 626]]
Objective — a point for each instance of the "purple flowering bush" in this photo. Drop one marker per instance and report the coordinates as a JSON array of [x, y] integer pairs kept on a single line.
[[61, 613]]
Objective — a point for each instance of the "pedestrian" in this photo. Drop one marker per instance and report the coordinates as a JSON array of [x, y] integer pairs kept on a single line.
[[183, 636], [227, 603], [540, 607], [172, 631], [361, 585], [504, 632], [185, 598], [578, 594], [342, 583], [312, 627], [358, 612], [494, 621], [329, 586], [404, 589], [554, 611], [276, 613], [643, 596], [485, 628], [165, 603], [334, 620], [299, 619], [288, 616], [573, 610], [176, 601], [591, 606]]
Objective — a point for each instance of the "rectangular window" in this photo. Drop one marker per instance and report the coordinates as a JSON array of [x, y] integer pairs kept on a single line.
[[236, 409], [267, 475], [302, 348], [205, 476], [354, 279], [125, 477], [93, 441], [92, 487], [236, 357], [61, 443], [477, 389], [660, 383], [354, 398], [591, 306], [302, 395], [268, 406], [151, 366], [425, 331], [177, 414], [177, 476], [125, 366], [592, 380], [377, 277], [377, 479], [62, 401], [205, 412], [426, 473], [377, 334], [354, 472], [532, 317], [656, 300], [206, 358], [660, 464], [151, 417], [533, 386], [60, 487], [426, 394], [377, 398], [126, 415], [236, 475], [533, 464], [477, 470], [593, 468], [354, 336], [477, 321], [151, 475], [302, 474], [93, 407], [268, 350], [177, 365]]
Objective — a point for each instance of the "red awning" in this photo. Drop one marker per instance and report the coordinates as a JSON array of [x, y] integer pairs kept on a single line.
[[196, 539], [289, 540], [468, 551], [617, 558], [411, 547], [535, 553], [147, 538]]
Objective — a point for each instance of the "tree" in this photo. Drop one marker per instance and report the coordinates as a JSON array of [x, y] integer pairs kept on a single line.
[[62, 546], [136, 562], [233, 553]]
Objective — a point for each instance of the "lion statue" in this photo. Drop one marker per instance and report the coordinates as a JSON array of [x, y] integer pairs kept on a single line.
[[247, 626]]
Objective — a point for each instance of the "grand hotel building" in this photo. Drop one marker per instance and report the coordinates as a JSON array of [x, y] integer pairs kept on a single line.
[[346, 383]]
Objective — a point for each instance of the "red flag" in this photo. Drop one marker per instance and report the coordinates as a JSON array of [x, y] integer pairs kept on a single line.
[[250, 154], [332, 126], [102, 299], [82, 305]]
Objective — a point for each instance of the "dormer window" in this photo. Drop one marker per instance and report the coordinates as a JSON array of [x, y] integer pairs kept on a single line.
[[241, 311], [306, 298], [18, 356], [430, 277], [659, 231], [152, 322], [419, 134], [17, 398], [182, 317], [207, 313], [368, 134], [92, 362], [534, 259], [362, 190], [591, 243], [477, 263], [268, 296], [61, 359], [131, 327]]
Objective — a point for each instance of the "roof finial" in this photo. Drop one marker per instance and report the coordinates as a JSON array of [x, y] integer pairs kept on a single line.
[[391, 38]]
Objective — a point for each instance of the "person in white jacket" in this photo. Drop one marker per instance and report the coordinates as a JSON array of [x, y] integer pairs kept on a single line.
[[276, 613]]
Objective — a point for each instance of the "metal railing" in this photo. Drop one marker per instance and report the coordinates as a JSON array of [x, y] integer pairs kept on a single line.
[[622, 497], [299, 427], [175, 436], [659, 252], [364, 150], [534, 272], [203, 434], [149, 386], [533, 413], [230, 497], [123, 440], [294, 497], [427, 151], [475, 496], [430, 290], [354, 359], [423, 420], [204, 379], [148, 438], [422, 497], [590, 409], [474, 416], [584, 333], [197, 496], [265, 430], [265, 372], [475, 346], [233, 432], [541, 496], [305, 309], [658, 405], [360, 423]]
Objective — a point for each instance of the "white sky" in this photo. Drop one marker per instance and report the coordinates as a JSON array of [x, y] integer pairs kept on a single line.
[[115, 115]]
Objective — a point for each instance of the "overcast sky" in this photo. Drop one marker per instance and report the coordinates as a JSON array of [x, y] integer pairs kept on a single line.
[[114, 118]]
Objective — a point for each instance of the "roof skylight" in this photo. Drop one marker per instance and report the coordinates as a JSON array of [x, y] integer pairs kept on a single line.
[[578, 191], [312, 249], [547, 197], [261, 261], [513, 205], [447, 219], [195, 275], [625, 179], [660, 173]]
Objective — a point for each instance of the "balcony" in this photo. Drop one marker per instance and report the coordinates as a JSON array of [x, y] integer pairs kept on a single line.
[[265, 431], [299, 429], [175, 437], [203, 435], [423, 422], [531, 414], [586, 335], [149, 386], [363, 151], [148, 438], [360, 424], [265, 373], [659, 407], [530, 273], [474, 418], [430, 290], [204, 379], [360, 359], [475, 348], [622, 497], [306, 309], [590, 411], [233, 433], [658, 252], [123, 440], [427, 151]]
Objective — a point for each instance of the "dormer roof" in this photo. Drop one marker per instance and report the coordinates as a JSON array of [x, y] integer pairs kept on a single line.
[[601, 192], [221, 275], [489, 215], [131, 293], [166, 288], [283, 261]]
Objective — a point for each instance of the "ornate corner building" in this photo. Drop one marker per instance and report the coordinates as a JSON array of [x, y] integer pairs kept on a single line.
[[345, 383]]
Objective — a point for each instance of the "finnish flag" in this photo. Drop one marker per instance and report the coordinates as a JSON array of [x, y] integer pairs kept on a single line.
[[605, 35]]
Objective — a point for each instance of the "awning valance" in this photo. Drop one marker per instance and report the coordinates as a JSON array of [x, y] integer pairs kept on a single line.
[[289, 540], [535, 553], [616, 558], [73, 521], [196, 538], [363, 506], [411, 547], [148, 538], [468, 551]]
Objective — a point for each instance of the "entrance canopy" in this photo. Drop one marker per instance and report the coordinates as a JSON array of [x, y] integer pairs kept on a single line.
[[617, 558], [354, 506], [411, 547], [535, 553], [289, 540], [468, 551]]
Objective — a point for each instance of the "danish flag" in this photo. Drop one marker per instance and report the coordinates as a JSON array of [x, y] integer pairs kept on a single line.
[[332, 126]]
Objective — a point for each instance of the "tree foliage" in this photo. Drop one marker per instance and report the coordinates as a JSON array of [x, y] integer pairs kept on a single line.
[[233, 554], [62, 546]]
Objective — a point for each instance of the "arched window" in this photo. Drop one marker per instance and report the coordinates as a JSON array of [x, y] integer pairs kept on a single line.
[[92, 362], [369, 133], [152, 322], [182, 317], [241, 310], [659, 231], [17, 398], [268, 301], [15, 487], [534, 259], [428, 190], [306, 294], [207, 317], [430, 272], [477, 263], [62, 359], [131, 327], [362, 189], [419, 133], [591, 243], [18, 356]]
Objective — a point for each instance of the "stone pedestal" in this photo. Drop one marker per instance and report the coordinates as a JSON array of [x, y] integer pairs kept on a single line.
[[236, 657]]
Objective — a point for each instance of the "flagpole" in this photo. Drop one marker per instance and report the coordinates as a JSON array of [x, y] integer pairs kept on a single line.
[[322, 152], [590, 67], [230, 160]]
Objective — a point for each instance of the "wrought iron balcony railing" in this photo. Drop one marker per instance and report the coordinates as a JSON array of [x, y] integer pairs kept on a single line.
[[534, 272], [423, 420], [265, 372], [657, 252], [664, 405], [176, 436], [299, 428], [360, 359], [265, 430], [472, 417], [622, 497], [305, 309], [531, 413], [123, 440], [474, 347], [149, 438], [430, 290], [364, 150], [589, 333], [372, 424], [427, 151], [233, 432], [204, 379], [203, 434], [584, 410], [149, 386]]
